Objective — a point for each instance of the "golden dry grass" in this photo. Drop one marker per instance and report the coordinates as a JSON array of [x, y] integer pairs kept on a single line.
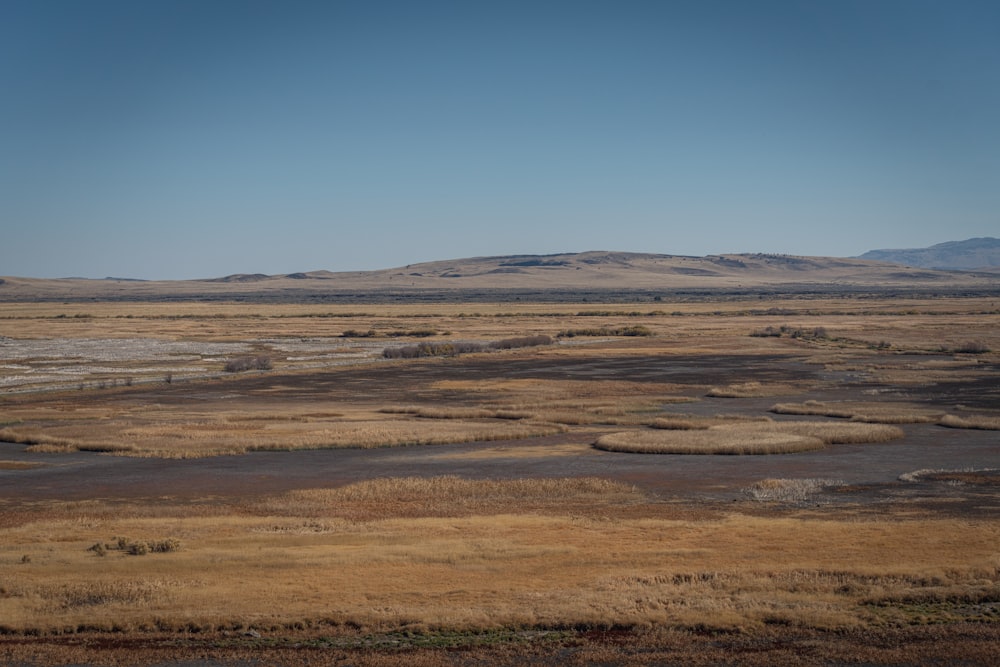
[[683, 422], [831, 433], [710, 441], [282, 417], [454, 553], [743, 437], [232, 435], [877, 413], [450, 496], [983, 422], [19, 465]]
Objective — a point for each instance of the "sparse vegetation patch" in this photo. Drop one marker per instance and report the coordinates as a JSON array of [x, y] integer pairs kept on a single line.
[[788, 490]]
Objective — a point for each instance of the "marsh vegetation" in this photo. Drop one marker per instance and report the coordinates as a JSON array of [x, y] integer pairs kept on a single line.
[[536, 507]]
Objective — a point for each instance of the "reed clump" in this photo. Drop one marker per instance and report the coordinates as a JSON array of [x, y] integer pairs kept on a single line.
[[745, 437], [709, 441], [831, 433], [870, 412], [980, 422]]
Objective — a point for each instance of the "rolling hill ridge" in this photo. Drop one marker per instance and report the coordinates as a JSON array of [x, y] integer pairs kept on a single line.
[[971, 254], [595, 271]]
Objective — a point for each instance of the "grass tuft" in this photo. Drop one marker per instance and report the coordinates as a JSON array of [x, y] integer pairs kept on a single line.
[[980, 422], [747, 437], [873, 412], [788, 490], [709, 441]]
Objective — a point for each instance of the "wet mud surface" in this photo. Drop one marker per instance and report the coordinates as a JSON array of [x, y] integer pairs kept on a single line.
[[870, 476], [870, 472]]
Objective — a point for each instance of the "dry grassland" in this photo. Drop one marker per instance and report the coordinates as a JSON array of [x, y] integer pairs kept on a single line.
[[452, 553]]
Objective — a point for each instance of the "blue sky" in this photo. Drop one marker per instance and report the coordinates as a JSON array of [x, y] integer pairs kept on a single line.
[[183, 139]]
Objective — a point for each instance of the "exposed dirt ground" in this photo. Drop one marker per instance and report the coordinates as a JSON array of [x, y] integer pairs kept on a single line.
[[956, 645]]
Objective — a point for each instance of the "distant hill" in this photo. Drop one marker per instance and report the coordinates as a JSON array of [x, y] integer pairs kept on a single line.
[[971, 254], [597, 275]]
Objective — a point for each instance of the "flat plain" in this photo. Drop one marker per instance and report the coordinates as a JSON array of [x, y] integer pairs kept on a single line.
[[720, 478]]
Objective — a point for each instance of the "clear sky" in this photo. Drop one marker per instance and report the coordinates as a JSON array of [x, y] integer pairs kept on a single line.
[[183, 139]]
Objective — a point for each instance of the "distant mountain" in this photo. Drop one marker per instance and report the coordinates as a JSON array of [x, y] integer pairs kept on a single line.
[[980, 253], [601, 274]]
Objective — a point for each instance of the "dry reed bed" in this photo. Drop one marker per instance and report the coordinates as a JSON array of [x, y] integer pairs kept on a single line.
[[711, 441], [747, 437], [494, 410], [186, 440], [981, 422], [879, 413], [883, 413], [479, 554]]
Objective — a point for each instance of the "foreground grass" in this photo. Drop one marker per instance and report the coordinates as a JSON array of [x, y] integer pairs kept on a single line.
[[470, 555]]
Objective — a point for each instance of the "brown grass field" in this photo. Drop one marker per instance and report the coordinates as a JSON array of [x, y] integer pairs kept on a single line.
[[535, 505]]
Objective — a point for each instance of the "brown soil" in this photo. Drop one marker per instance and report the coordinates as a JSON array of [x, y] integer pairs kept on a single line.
[[960, 644]]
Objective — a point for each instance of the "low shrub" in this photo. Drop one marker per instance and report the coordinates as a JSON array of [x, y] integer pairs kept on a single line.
[[522, 341], [451, 349], [766, 332], [632, 330], [354, 333], [819, 333], [430, 350], [413, 333], [248, 363], [136, 547], [971, 347]]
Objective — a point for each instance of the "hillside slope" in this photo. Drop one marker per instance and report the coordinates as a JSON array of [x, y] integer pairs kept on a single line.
[[971, 254], [597, 271]]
